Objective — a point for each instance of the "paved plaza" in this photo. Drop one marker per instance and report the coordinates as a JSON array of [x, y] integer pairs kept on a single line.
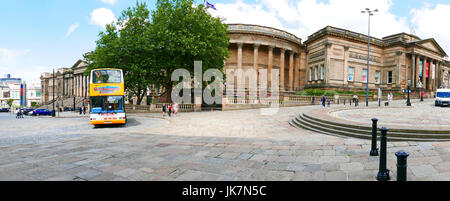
[[219, 146]]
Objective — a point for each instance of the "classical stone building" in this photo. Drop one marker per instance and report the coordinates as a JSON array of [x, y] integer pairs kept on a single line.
[[337, 59], [258, 47], [69, 83], [331, 58]]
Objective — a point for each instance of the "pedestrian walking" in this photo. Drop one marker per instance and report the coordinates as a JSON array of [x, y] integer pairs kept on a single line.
[[323, 100], [17, 113], [79, 109], [175, 109], [329, 103], [357, 100], [170, 110], [84, 110], [164, 109]]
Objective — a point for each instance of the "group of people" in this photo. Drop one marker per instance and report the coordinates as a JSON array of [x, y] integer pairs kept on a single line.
[[170, 109], [324, 101], [19, 113], [82, 110]]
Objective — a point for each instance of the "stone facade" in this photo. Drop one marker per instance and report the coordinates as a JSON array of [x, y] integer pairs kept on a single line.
[[258, 47], [69, 83], [335, 58], [395, 59]]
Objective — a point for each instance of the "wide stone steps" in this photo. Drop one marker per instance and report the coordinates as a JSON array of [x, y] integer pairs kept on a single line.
[[363, 132]]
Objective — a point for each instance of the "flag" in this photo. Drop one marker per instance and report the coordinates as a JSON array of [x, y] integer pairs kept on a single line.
[[210, 5]]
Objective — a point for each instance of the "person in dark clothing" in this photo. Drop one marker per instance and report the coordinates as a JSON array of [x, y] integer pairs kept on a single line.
[[164, 109], [170, 110], [323, 100], [79, 109], [329, 103], [84, 109]]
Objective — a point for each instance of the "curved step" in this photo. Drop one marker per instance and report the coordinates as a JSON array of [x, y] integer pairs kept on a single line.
[[304, 122], [390, 130], [369, 132]]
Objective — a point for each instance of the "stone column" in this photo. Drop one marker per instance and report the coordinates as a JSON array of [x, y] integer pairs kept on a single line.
[[412, 77], [239, 61], [297, 72], [76, 85], [424, 74], [256, 63], [291, 70], [417, 69], [269, 71], [282, 66], [438, 75]]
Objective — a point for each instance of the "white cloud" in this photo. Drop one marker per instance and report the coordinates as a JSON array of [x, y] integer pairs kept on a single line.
[[14, 62], [102, 17], [71, 29], [110, 2], [10, 57], [305, 17], [429, 23]]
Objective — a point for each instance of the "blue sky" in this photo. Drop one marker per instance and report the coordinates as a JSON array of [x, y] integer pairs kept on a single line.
[[36, 36]]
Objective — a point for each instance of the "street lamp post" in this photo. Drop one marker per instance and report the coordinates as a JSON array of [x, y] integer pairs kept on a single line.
[[370, 13], [53, 91]]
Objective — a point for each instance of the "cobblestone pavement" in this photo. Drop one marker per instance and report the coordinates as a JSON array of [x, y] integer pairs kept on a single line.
[[218, 146]]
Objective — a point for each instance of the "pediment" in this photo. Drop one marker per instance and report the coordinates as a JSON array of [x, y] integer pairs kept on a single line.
[[432, 45]]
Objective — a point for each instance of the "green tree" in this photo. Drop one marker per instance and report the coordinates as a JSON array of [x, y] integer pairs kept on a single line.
[[183, 33], [9, 102], [125, 45], [149, 50]]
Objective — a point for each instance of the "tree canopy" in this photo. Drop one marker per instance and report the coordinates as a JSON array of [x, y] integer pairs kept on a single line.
[[148, 49]]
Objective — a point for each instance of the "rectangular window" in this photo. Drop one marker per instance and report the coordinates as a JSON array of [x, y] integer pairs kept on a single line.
[[364, 75], [322, 74], [389, 77], [310, 74], [377, 77], [351, 73], [316, 74]]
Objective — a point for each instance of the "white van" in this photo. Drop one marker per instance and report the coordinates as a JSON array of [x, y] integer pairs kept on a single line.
[[443, 97]]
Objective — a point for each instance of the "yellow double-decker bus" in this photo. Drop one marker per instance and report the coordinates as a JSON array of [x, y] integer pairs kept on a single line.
[[107, 95]]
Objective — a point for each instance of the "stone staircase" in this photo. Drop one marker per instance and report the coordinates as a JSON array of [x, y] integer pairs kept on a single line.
[[308, 122]]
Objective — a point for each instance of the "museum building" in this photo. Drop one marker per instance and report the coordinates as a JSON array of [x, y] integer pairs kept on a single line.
[[334, 58]]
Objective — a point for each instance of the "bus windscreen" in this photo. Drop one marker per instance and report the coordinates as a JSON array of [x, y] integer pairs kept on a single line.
[[106, 76], [113, 104]]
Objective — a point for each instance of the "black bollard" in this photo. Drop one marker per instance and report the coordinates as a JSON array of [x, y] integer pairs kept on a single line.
[[383, 173], [401, 165], [374, 150]]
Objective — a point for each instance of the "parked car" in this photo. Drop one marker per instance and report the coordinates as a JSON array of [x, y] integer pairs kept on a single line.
[[68, 109], [27, 111], [4, 109], [42, 112]]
